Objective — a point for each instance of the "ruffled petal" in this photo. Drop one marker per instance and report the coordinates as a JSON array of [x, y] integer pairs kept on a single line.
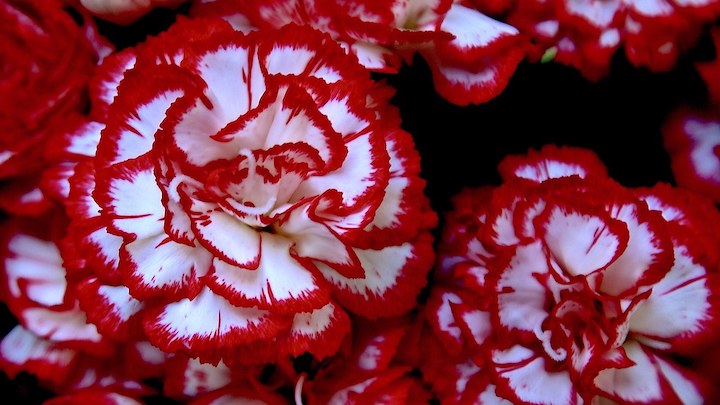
[[117, 192], [189, 378], [316, 241], [157, 266], [552, 162], [581, 241], [393, 279], [524, 377], [224, 235], [319, 332], [111, 308], [681, 307], [650, 379], [206, 324], [21, 350], [280, 283], [647, 256]]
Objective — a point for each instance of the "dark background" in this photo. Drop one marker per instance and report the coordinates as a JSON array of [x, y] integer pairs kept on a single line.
[[618, 117]]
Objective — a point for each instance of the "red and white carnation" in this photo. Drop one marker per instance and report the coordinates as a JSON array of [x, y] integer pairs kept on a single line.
[[586, 34], [245, 192], [374, 367], [691, 135], [562, 286], [47, 59], [53, 340], [472, 56]]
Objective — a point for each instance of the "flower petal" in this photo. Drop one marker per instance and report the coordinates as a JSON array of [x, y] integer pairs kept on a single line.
[[681, 307], [316, 241], [524, 377], [319, 332], [21, 350], [206, 324], [188, 378], [649, 379], [647, 256], [581, 241], [32, 269], [111, 308], [361, 178], [280, 283], [131, 199], [521, 297], [552, 162], [135, 116], [224, 235], [393, 279], [157, 266]]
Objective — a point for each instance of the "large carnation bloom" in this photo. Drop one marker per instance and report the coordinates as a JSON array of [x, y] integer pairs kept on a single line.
[[246, 191], [46, 59], [691, 135], [586, 34], [561, 286], [472, 56]]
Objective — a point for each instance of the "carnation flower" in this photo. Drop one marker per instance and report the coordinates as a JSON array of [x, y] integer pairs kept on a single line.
[[471, 55], [53, 341], [691, 136], [374, 368], [247, 191], [585, 34], [124, 11], [562, 286], [47, 59]]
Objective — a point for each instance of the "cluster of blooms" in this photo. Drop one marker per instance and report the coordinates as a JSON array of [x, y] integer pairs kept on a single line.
[[230, 212], [586, 34]]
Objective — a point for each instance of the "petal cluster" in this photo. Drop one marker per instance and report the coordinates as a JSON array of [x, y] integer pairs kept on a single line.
[[471, 55], [46, 59], [244, 192], [562, 286], [53, 340], [585, 34]]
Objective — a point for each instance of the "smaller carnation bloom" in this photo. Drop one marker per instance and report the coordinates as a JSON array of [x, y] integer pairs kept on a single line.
[[472, 56], [586, 34], [53, 340], [238, 205], [371, 369], [692, 135], [47, 58], [562, 286], [124, 12]]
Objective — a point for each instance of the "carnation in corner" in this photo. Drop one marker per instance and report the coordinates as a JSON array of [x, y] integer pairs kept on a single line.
[[246, 193], [48, 52], [691, 134], [562, 286]]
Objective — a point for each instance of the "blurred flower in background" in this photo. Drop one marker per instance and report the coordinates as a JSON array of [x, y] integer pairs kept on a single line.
[[692, 135], [47, 54]]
